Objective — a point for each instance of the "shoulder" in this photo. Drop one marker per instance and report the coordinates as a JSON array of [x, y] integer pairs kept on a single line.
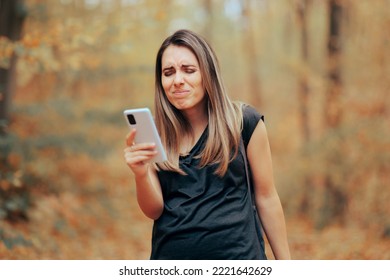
[[251, 117], [251, 114]]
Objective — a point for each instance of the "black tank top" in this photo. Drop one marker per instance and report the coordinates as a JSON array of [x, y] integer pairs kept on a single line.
[[206, 216]]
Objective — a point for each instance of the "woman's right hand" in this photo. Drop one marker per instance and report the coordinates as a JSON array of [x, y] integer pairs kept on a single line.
[[149, 195], [137, 156]]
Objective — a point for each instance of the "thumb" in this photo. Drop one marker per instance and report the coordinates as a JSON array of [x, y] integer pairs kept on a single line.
[[130, 137]]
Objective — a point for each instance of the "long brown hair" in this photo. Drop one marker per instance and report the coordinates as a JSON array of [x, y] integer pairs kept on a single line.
[[224, 116]]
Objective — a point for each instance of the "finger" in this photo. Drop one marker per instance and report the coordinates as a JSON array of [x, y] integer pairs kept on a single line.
[[140, 147], [139, 159], [144, 146], [130, 137], [133, 155]]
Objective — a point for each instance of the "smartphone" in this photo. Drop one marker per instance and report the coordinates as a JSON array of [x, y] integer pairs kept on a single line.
[[142, 120]]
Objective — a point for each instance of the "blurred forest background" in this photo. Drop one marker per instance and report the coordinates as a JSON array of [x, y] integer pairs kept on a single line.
[[319, 70]]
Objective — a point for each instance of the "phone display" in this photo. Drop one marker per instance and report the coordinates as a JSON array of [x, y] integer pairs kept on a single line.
[[142, 120]]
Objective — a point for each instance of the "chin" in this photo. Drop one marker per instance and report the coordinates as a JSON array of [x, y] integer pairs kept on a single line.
[[182, 106]]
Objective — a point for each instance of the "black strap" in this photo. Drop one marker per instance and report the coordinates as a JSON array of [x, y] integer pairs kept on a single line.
[[252, 199], [248, 180]]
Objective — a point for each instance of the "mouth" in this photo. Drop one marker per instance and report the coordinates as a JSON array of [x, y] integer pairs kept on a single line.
[[180, 93]]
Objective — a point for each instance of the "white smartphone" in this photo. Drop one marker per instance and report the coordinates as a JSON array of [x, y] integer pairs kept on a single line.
[[142, 120]]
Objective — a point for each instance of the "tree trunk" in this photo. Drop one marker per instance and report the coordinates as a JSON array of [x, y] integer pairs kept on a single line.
[[333, 112], [303, 98], [249, 46], [208, 30], [333, 206], [303, 79], [12, 14]]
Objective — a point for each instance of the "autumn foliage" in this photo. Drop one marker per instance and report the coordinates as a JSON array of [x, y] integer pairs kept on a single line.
[[65, 191]]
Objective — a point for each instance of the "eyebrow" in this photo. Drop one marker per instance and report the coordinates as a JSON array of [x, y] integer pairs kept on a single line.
[[182, 66], [188, 66], [167, 68]]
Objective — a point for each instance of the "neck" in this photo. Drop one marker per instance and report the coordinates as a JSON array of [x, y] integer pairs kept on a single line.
[[198, 118]]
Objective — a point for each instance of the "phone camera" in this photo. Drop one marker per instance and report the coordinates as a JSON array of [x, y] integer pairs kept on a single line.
[[131, 119]]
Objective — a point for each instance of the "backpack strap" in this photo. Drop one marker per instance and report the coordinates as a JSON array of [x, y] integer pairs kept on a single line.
[[247, 175], [259, 228]]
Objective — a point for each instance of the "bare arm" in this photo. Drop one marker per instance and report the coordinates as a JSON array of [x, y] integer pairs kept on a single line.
[[149, 195], [266, 196]]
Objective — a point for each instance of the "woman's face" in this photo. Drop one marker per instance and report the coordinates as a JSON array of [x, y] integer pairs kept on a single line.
[[181, 78]]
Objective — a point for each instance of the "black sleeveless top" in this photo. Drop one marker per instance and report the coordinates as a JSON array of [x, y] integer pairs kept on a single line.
[[206, 216]]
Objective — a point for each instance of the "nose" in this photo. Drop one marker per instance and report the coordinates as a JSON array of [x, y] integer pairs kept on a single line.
[[179, 79]]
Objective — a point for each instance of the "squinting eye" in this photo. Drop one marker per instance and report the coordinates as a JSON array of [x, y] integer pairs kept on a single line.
[[167, 74]]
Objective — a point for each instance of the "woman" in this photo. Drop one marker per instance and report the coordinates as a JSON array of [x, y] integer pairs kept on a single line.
[[199, 199]]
